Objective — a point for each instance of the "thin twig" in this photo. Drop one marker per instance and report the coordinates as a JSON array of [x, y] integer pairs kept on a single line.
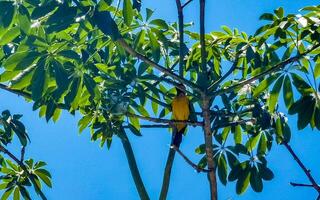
[[300, 184], [303, 167], [152, 126], [184, 5], [193, 165], [165, 121]]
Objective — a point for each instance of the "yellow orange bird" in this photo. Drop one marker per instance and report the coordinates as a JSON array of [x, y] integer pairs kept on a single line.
[[180, 111]]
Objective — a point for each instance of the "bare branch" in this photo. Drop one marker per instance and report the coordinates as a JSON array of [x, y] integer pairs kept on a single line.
[[202, 37], [181, 36], [193, 165], [184, 5], [152, 126], [300, 184], [303, 167], [165, 121]]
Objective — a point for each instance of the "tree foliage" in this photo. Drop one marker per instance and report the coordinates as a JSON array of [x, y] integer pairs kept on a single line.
[[17, 174], [116, 65]]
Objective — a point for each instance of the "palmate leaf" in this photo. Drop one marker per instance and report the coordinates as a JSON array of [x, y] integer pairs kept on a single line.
[[127, 12], [106, 24], [274, 95], [287, 92]]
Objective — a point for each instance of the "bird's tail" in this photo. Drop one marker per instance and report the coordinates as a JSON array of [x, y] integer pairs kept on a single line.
[[177, 137]]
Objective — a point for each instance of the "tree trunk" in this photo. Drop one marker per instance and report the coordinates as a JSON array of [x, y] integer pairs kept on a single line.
[[167, 175], [209, 148], [133, 167]]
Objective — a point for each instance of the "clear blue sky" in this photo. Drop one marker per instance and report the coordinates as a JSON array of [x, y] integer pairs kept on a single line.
[[82, 170]]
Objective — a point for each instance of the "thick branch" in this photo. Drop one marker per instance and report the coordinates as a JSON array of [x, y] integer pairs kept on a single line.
[[133, 167], [181, 36], [165, 121], [303, 167], [193, 165], [261, 75], [202, 37], [164, 70], [209, 147], [167, 175], [24, 168]]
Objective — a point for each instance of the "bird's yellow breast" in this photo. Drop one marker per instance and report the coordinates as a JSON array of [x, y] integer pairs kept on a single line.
[[180, 110]]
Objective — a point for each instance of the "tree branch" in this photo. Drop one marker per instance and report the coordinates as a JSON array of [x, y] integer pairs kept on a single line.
[[193, 165], [164, 70], [23, 151], [300, 184], [14, 91], [240, 122], [24, 168], [181, 36], [202, 37], [167, 175], [133, 166], [269, 71], [303, 167], [184, 5], [165, 121]]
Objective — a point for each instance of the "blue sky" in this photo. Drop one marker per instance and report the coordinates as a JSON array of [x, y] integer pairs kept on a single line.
[[82, 170]]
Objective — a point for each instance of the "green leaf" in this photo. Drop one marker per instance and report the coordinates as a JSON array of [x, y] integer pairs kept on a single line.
[[287, 92], [16, 194], [73, 90], [10, 35], [38, 81], [264, 85], [8, 192], [274, 95], [267, 16], [266, 173], [20, 60], [23, 79], [279, 131], [106, 24], [24, 19], [7, 11], [255, 180], [279, 12], [317, 118], [154, 46], [317, 69], [127, 12], [222, 169], [154, 105], [305, 115], [302, 86], [45, 176], [227, 30], [134, 130], [238, 135], [160, 23], [90, 84], [243, 182]]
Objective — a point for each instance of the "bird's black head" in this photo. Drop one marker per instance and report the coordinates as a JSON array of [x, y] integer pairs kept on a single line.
[[179, 91]]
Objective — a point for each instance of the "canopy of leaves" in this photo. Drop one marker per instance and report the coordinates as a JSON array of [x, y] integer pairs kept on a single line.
[[72, 56]]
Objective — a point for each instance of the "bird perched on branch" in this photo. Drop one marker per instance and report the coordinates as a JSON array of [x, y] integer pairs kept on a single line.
[[180, 111]]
